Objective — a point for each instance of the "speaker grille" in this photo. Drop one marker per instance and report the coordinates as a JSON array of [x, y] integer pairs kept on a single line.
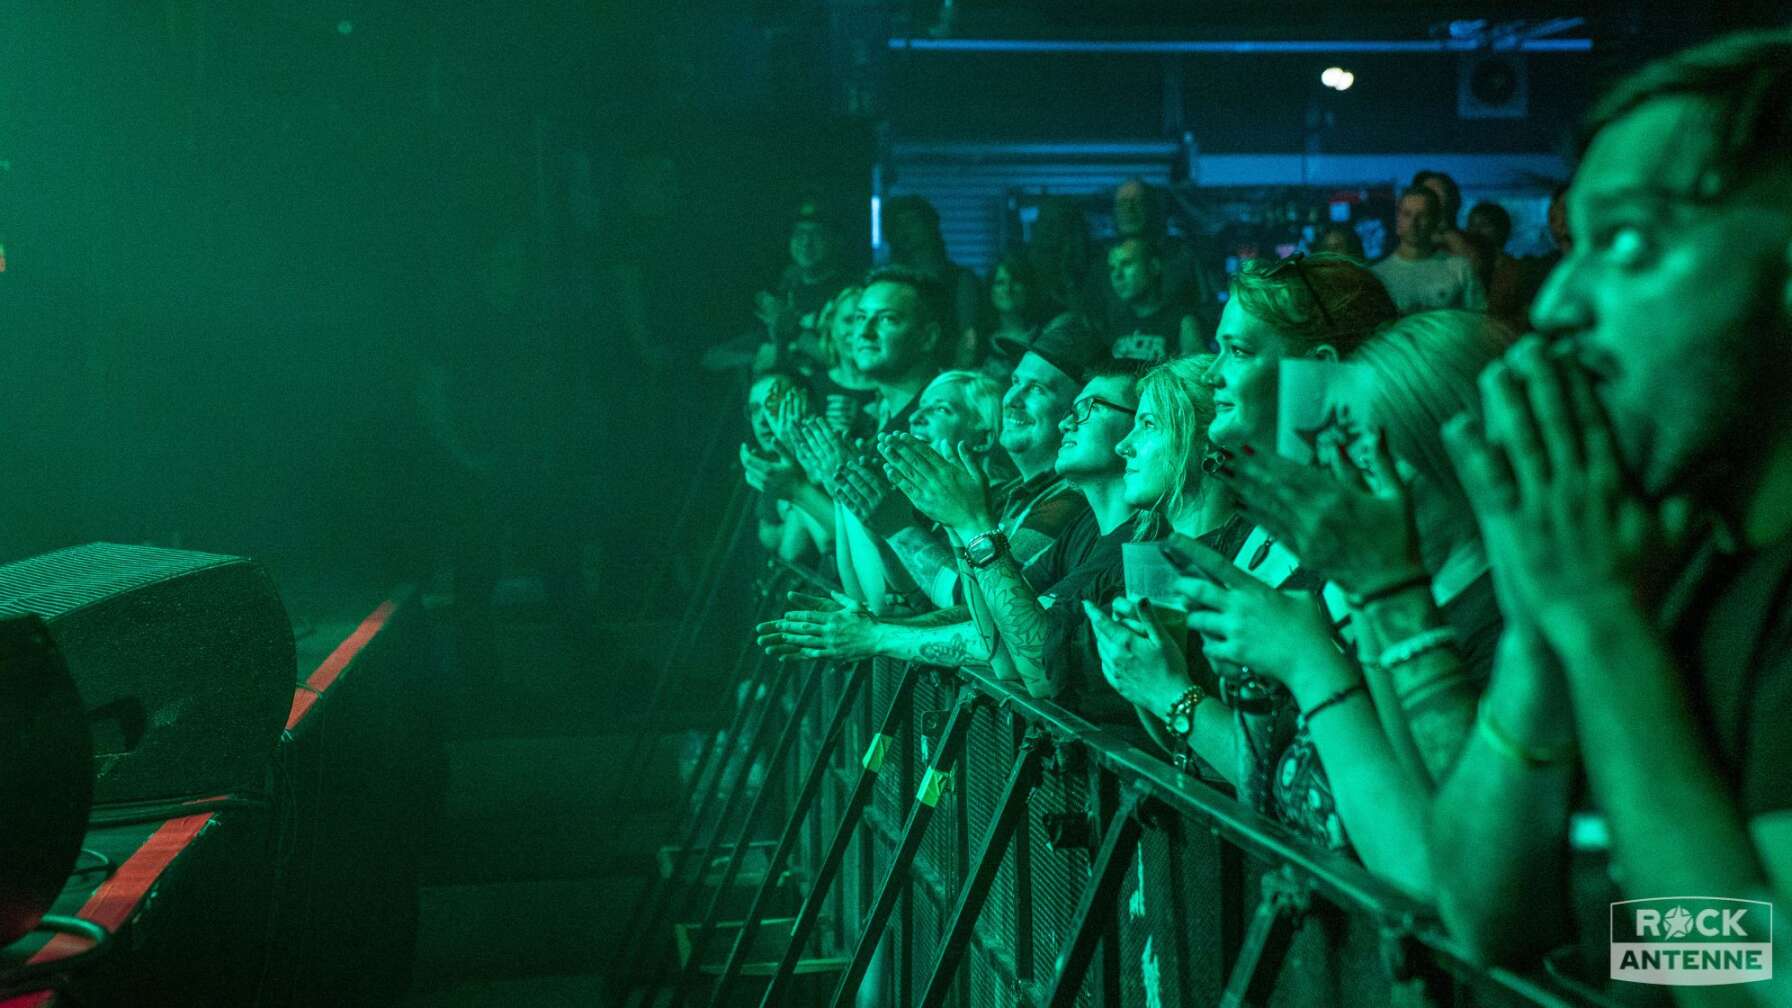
[[62, 582], [184, 662]]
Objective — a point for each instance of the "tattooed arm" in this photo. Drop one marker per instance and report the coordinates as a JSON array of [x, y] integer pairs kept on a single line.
[[1018, 620], [923, 555], [946, 638], [1427, 705]]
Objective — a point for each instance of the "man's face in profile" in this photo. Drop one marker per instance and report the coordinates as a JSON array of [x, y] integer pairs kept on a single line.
[[1675, 303]]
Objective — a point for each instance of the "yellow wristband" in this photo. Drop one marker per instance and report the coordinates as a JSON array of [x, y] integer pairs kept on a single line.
[[1506, 746]]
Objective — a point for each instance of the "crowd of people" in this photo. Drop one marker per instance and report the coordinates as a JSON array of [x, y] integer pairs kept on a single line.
[[1524, 648]]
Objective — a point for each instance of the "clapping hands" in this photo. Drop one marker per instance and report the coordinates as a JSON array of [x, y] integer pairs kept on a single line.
[[819, 449], [839, 629], [770, 472], [952, 491]]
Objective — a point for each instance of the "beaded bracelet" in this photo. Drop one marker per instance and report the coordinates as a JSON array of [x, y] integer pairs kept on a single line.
[[1339, 697]]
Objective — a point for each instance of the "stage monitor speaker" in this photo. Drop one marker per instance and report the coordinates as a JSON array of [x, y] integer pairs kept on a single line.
[[184, 662], [46, 775]]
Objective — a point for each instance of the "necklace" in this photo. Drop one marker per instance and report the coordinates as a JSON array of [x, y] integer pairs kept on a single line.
[[1261, 554]]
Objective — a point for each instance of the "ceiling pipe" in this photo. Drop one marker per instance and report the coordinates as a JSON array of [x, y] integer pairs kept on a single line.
[[1534, 45]]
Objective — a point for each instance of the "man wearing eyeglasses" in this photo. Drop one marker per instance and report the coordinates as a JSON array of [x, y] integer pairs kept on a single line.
[[1006, 601], [1006, 625]]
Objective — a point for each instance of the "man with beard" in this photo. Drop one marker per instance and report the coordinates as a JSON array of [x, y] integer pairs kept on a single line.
[[1036, 505], [1011, 626], [1634, 486]]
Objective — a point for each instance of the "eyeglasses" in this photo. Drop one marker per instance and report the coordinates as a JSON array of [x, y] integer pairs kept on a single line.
[[1083, 409], [1293, 262]]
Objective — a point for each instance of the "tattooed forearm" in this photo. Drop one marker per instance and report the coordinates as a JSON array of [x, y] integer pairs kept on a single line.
[[1436, 700], [922, 555], [937, 618], [950, 646], [1019, 619], [949, 654]]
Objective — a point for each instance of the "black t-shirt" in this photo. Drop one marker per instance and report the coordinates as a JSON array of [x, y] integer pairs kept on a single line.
[[1075, 545], [1071, 661], [1729, 620], [808, 296], [1732, 638], [1187, 280], [1150, 338]]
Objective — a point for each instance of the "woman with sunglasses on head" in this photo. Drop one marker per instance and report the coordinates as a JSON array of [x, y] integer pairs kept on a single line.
[[1403, 542], [1255, 607], [1423, 619]]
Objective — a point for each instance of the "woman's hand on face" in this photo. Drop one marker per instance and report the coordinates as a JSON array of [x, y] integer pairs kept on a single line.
[[838, 629], [1140, 657], [787, 416], [952, 491], [1357, 532], [770, 473], [1286, 636]]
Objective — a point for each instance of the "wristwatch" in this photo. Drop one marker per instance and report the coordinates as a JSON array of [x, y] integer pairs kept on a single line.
[[1180, 719], [985, 548]]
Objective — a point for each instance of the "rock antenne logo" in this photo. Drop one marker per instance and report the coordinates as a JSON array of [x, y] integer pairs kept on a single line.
[[1692, 941]]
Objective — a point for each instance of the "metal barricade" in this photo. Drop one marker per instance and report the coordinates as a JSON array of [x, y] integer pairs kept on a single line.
[[951, 841]]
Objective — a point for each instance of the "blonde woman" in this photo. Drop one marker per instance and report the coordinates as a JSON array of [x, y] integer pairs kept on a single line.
[[963, 406], [842, 390]]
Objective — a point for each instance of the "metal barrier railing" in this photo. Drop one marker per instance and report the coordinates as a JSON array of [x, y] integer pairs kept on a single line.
[[955, 842]]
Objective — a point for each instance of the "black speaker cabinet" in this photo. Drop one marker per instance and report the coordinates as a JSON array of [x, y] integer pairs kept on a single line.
[[46, 775], [184, 662]]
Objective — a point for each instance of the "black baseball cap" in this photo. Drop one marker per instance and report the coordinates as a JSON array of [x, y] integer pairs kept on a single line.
[[1068, 343]]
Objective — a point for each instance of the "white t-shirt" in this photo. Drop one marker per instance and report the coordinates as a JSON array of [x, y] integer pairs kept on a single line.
[[1440, 281]]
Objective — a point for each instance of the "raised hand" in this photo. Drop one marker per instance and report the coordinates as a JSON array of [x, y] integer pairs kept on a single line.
[[1243, 622], [1565, 532], [787, 417], [1140, 657], [952, 491], [770, 473], [1357, 532], [771, 310], [825, 447], [871, 499], [837, 628]]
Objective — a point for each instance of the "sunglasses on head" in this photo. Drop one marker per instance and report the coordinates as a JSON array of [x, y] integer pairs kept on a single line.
[[1293, 262]]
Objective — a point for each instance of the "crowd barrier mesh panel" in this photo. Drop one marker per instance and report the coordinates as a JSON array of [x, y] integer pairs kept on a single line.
[[1168, 909]]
